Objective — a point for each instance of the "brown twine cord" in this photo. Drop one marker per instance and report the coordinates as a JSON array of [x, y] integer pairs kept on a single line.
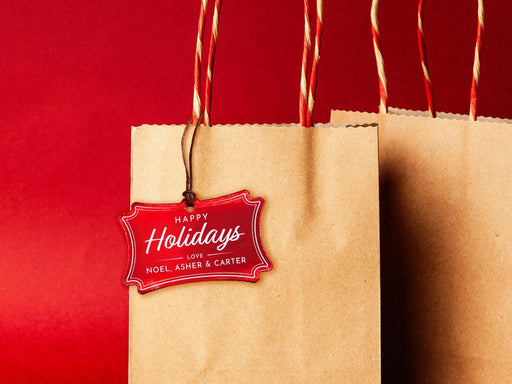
[[187, 158]]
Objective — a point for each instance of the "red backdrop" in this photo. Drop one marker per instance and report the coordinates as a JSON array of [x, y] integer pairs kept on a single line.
[[75, 75]]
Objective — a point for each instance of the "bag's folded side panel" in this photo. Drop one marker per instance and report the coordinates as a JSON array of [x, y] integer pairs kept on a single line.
[[446, 228], [315, 317]]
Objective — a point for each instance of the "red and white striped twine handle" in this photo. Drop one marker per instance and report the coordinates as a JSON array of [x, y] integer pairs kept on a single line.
[[211, 59], [196, 110], [476, 62], [306, 110], [316, 59], [383, 87], [305, 54], [424, 63]]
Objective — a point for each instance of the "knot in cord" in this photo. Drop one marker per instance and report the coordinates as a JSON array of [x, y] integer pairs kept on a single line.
[[189, 197]]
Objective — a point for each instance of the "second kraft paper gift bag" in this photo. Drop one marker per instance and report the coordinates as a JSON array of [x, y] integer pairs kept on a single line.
[[446, 243]]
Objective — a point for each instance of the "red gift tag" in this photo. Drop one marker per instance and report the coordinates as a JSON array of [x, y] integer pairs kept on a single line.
[[218, 240]]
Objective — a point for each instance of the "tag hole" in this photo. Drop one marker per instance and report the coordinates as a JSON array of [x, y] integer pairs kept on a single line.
[[190, 209]]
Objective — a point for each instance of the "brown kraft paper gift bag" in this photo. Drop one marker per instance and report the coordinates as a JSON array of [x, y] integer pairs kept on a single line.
[[313, 318], [446, 246]]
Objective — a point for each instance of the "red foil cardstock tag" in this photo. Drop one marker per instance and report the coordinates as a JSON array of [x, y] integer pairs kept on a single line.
[[218, 240]]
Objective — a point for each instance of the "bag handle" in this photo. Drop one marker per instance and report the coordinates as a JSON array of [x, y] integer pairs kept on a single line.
[[476, 61], [424, 63], [383, 92], [196, 102], [189, 133], [306, 113], [383, 85]]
